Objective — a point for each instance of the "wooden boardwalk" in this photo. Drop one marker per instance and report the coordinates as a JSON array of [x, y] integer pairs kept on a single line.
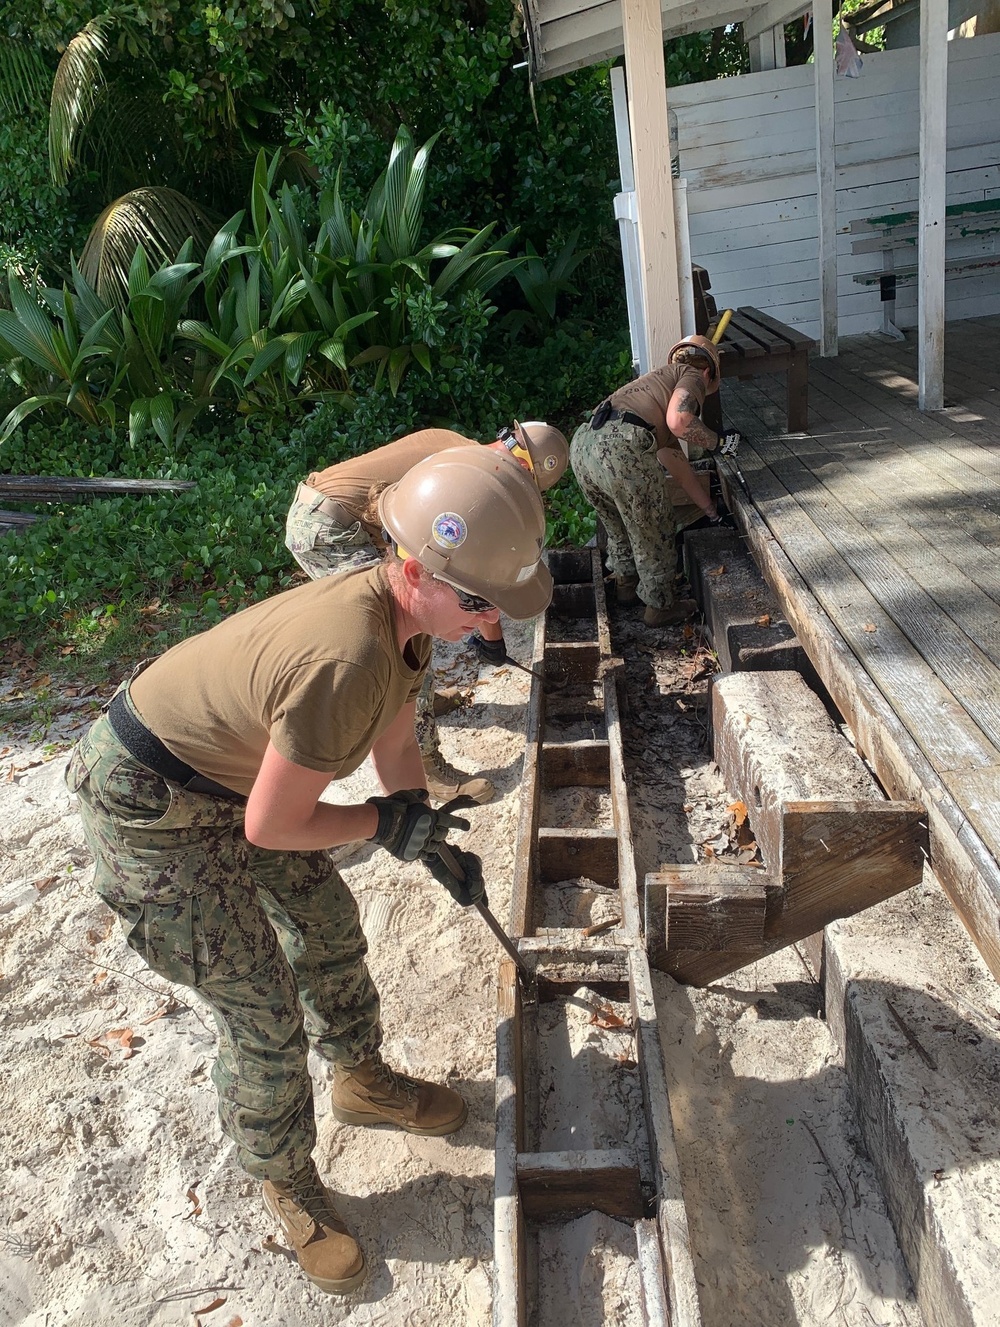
[[879, 529]]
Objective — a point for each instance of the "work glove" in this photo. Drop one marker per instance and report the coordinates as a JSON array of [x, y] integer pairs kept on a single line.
[[467, 891], [409, 828], [490, 651], [729, 442]]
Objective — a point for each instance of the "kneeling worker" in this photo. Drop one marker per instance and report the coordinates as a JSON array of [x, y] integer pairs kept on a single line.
[[199, 792], [619, 458], [332, 526]]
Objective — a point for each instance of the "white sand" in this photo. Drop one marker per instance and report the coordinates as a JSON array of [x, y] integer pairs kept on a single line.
[[119, 1200]]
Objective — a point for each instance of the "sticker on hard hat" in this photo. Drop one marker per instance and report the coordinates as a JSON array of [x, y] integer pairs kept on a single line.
[[449, 530], [526, 573], [550, 462]]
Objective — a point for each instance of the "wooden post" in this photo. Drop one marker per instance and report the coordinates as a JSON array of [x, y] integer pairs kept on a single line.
[[647, 95], [826, 181], [931, 232]]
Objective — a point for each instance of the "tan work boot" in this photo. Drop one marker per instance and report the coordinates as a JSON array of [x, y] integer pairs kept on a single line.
[[327, 1251], [447, 700], [372, 1093], [626, 589], [672, 616], [444, 783]]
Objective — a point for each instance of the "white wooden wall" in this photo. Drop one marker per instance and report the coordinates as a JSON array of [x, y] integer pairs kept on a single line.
[[747, 148]]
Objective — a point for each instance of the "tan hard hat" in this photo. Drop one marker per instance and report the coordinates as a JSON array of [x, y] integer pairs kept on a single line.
[[697, 343], [548, 449], [470, 517]]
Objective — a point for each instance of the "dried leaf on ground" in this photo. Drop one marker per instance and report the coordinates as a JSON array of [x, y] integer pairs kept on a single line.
[[763, 621], [216, 1303], [869, 627], [739, 812], [717, 571], [603, 1017]]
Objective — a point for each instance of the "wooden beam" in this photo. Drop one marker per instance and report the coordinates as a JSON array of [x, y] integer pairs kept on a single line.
[[522, 902], [51, 488], [968, 872], [510, 1291], [689, 932], [565, 854], [576, 764], [826, 184], [570, 1183], [933, 182], [771, 14], [642, 32], [675, 1235], [572, 661]]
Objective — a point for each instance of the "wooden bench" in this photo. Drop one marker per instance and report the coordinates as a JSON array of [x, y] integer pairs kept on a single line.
[[49, 488], [895, 234], [755, 343]]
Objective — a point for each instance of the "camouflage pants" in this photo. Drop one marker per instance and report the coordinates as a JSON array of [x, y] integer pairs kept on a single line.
[[321, 547], [617, 469], [272, 942]]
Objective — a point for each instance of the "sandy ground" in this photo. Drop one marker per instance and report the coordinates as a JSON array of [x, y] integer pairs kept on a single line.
[[119, 1200]]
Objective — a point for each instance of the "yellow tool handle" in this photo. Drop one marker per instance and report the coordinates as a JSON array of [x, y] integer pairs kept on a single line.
[[719, 332]]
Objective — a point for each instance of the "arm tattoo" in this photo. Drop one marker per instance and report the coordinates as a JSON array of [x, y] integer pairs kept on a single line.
[[688, 405], [697, 433]]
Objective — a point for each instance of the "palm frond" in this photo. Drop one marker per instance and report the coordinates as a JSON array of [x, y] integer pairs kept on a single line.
[[75, 89], [159, 219], [24, 79]]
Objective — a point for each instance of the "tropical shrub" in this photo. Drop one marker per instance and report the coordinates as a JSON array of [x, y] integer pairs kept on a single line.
[[285, 307], [72, 351]]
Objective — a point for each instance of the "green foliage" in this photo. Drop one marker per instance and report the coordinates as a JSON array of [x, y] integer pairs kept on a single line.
[[541, 285], [210, 549], [291, 315], [69, 350]]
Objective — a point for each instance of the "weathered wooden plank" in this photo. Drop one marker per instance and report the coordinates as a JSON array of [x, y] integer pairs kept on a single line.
[[572, 601], [570, 1183], [569, 662], [570, 565], [966, 671], [675, 1236], [572, 764], [510, 1292], [564, 854], [938, 723], [968, 872], [711, 887], [53, 488], [522, 903], [652, 1280], [702, 918]]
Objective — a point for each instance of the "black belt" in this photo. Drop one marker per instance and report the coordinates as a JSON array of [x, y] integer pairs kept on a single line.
[[148, 750], [625, 416]]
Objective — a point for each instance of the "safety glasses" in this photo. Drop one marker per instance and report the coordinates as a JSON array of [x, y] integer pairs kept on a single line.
[[469, 603], [512, 441]]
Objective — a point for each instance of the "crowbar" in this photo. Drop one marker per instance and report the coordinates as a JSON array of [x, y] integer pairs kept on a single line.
[[455, 867]]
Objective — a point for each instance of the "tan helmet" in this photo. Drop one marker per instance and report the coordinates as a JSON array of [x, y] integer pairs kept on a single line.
[[548, 449], [694, 350], [470, 517]]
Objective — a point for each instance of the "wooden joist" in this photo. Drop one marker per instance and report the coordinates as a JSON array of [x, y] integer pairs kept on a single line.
[[831, 843], [569, 1183], [572, 764], [579, 680], [53, 488]]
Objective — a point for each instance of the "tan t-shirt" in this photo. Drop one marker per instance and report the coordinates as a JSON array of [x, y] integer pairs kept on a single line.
[[649, 396], [350, 482], [316, 670]]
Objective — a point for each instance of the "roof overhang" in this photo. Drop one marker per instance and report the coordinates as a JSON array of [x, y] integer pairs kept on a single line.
[[564, 35]]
